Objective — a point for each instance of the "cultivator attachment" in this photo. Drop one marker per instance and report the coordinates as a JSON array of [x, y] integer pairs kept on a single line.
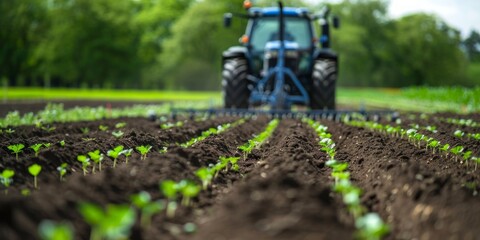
[[336, 115]]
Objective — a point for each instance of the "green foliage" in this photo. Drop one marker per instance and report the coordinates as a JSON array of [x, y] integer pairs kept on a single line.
[[36, 148], [62, 170], [205, 175], [259, 139], [97, 158], [144, 150], [85, 163], [212, 131], [6, 178], [120, 125], [16, 148], [115, 222], [115, 153], [371, 227], [169, 189], [189, 190], [34, 170], [127, 153], [118, 133], [103, 128], [49, 230], [142, 201]]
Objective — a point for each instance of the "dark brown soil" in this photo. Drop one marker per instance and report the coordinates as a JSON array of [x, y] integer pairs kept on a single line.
[[282, 190]]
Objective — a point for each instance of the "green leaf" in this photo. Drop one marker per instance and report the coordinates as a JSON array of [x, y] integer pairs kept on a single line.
[[49, 230], [34, 169]]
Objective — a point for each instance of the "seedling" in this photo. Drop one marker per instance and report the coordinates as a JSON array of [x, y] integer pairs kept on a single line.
[[103, 128], [169, 189], [143, 150], [456, 151], [34, 170], [206, 175], [9, 131], [433, 144], [147, 208], [118, 133], [6, 178], [85, 163], [36, 148], [48, 129], [62, 169], [49, 230], [115, 153], [120, 125], [371, 226], [115, 222], [163, 150], [476, 160], [189, 190], [16, 148], [458, 133], [88, 139], [97, 158], [85, 130], [47, 145], [127, 153], [466, 156]]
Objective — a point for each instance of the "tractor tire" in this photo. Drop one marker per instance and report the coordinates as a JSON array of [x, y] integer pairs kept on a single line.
[[235, 83], [324, 78]]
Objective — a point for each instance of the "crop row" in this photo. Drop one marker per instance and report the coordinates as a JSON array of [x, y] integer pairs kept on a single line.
[[93, 158], [369, 225], [460, 154], [104, 225]]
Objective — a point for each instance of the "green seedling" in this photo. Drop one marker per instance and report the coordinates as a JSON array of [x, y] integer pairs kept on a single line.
[[16, 149], [6, 178], [127, 153], [476, 160], [147, 208], [34, 170], [189, 190], [118, 133], [115, 222], [206, 175], [170, 125], [103, 128], [115, 154], [47, 145], [120, 125], [9, 131], [97, 158], [456, 151], [371, 226], [458, 133], [433, 144], [85, 130], [163, 150], [62, 170], [88, 139], [36, 148], [48, 129], [85, 163], [143, 150], [466, 156], [49, 230], [170, 190]]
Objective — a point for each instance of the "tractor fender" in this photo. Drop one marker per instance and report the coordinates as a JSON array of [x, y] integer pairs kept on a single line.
[[234, 52], [325, 54]]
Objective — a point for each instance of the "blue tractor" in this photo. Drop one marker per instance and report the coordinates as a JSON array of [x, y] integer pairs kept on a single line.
[[281, 62]]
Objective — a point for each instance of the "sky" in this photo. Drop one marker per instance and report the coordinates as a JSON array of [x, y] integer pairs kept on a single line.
[[463, 15]]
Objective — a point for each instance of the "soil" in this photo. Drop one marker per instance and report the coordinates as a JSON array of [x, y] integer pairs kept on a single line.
[[281, 191]]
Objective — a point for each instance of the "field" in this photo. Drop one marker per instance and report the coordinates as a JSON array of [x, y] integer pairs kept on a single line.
[[237, 177]]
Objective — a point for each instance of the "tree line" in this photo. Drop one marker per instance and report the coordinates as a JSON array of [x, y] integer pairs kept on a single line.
[[177, 44]]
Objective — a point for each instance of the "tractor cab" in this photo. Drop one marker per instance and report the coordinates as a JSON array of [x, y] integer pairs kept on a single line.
[[280, 63]]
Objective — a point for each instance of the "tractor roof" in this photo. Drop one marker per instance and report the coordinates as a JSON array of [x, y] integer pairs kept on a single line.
[[273, 11]]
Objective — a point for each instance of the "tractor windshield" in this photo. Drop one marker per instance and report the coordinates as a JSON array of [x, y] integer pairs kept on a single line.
[[266, 29]]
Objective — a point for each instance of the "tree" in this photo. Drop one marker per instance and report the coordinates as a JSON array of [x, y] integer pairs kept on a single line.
[[472, 46]]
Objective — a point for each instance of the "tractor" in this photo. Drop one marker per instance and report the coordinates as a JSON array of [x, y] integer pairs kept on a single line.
[[281, 62]]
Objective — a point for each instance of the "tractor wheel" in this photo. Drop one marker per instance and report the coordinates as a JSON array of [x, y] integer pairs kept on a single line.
[[324, 78], [235, 83]]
